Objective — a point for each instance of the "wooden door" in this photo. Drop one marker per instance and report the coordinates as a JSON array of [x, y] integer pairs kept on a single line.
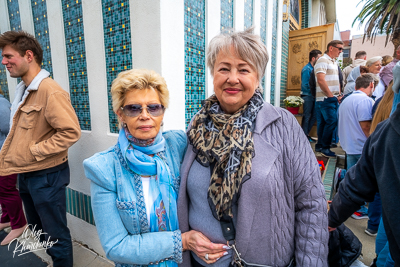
[[301, 42]]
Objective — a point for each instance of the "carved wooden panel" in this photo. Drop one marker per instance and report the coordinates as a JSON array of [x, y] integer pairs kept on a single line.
[[301, 42]]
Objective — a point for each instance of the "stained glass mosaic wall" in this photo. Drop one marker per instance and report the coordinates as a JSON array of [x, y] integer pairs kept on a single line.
[[13, 14], [195, 68], [3, 79], [304, 13], [227, 15], [39, 13], [117, 42], [248, 13], [263, 29], [284, 60], [273, 52], [76, 60]]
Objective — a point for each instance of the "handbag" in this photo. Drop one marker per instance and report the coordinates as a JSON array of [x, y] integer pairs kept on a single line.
[[229, 233]]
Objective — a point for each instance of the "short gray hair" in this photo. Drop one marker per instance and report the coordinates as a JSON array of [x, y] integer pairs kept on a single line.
[[372, 60], [247, 45]]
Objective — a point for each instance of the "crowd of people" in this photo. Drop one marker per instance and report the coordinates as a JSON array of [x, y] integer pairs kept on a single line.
[[241, 187], [355, 109]]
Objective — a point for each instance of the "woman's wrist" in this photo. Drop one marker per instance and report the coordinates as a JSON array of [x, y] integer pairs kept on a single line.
[[184, 241]]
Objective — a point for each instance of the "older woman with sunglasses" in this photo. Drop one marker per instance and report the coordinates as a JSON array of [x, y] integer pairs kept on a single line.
[[249, 178], [134, 184]]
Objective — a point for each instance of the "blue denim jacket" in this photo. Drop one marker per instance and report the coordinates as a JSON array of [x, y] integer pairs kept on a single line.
[[119, 209], [305, 79]]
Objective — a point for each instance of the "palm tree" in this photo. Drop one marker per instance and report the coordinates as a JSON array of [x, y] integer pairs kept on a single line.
[[381, 16]]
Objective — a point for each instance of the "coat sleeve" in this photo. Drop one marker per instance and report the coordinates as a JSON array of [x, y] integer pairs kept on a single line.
[[311, 220], [120, 245], [61, 116], [358, 186]]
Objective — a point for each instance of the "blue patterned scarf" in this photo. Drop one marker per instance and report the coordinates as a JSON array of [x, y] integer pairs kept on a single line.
[[163, 214]]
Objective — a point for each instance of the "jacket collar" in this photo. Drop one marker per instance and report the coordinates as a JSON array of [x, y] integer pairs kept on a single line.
[[267, 115]]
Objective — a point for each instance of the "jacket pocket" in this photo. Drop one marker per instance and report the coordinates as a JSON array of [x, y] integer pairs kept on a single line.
[[29, 116], [127, 211]]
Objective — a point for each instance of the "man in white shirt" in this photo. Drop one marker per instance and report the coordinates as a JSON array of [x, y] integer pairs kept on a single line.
[[355, 116], [327, 96]]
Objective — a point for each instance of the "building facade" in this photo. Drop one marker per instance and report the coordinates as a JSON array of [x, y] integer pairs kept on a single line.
[[87, 43]]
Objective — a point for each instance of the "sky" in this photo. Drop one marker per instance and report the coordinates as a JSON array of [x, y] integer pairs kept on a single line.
[[346, 11]]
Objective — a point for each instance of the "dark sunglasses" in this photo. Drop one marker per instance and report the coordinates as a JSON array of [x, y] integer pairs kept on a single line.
[[340, 48], [135, 110]]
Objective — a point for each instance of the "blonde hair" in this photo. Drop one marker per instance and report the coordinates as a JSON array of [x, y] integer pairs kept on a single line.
[[386, 60], [384, 108], [247, 45], [138, 79]]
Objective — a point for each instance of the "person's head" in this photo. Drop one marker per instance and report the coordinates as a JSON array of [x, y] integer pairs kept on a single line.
[[386, 60], [374, 64], [139, 98], [361, 55], [314, 56], [20, 51], [398, 52], [334, 48], [237, 62], [366, 83], [363, 70], [384, 108]]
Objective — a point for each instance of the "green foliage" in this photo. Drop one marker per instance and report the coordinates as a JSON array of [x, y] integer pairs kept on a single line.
[[380, 17]]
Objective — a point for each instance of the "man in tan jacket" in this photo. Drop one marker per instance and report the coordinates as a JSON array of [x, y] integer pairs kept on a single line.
[[43, 126], [359, 59]]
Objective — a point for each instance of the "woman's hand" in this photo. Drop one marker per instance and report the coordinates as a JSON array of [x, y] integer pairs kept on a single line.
[[201, 245]]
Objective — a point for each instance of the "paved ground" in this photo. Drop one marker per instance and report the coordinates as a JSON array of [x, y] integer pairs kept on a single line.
[[83, 257]]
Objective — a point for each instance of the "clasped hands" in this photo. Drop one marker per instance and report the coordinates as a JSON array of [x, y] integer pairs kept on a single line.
[[202, 246]]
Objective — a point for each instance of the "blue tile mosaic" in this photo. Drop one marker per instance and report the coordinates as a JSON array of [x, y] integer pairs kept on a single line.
[[39, 13], [248, 13], [263, 29], [304, 13], [273, 52], [284, 61], [3, 79], [117, 42], [13, 14], [227, 15], [195, 67], [76, 60], [79, 205]]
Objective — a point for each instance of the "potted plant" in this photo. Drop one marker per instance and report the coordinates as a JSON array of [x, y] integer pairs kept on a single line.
[[293, 104]]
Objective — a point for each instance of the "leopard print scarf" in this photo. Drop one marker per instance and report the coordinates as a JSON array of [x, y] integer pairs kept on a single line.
[[225, 141]]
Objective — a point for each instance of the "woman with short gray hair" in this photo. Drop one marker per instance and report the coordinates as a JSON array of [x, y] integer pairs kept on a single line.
[[251, 190], [373, 65]]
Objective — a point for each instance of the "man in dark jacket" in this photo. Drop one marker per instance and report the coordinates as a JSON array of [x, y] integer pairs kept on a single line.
[[377, 170]]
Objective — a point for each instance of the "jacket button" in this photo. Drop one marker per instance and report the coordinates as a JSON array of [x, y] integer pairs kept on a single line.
[[151, 263], [161, 260]]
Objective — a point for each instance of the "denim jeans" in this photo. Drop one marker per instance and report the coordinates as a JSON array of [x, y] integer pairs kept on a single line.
[[374, 213], [382, 248], [43, 195], [309, 116], [326, 112], [351, 160]]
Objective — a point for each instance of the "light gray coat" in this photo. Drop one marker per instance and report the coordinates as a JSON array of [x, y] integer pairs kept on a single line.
[[282, 210]]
